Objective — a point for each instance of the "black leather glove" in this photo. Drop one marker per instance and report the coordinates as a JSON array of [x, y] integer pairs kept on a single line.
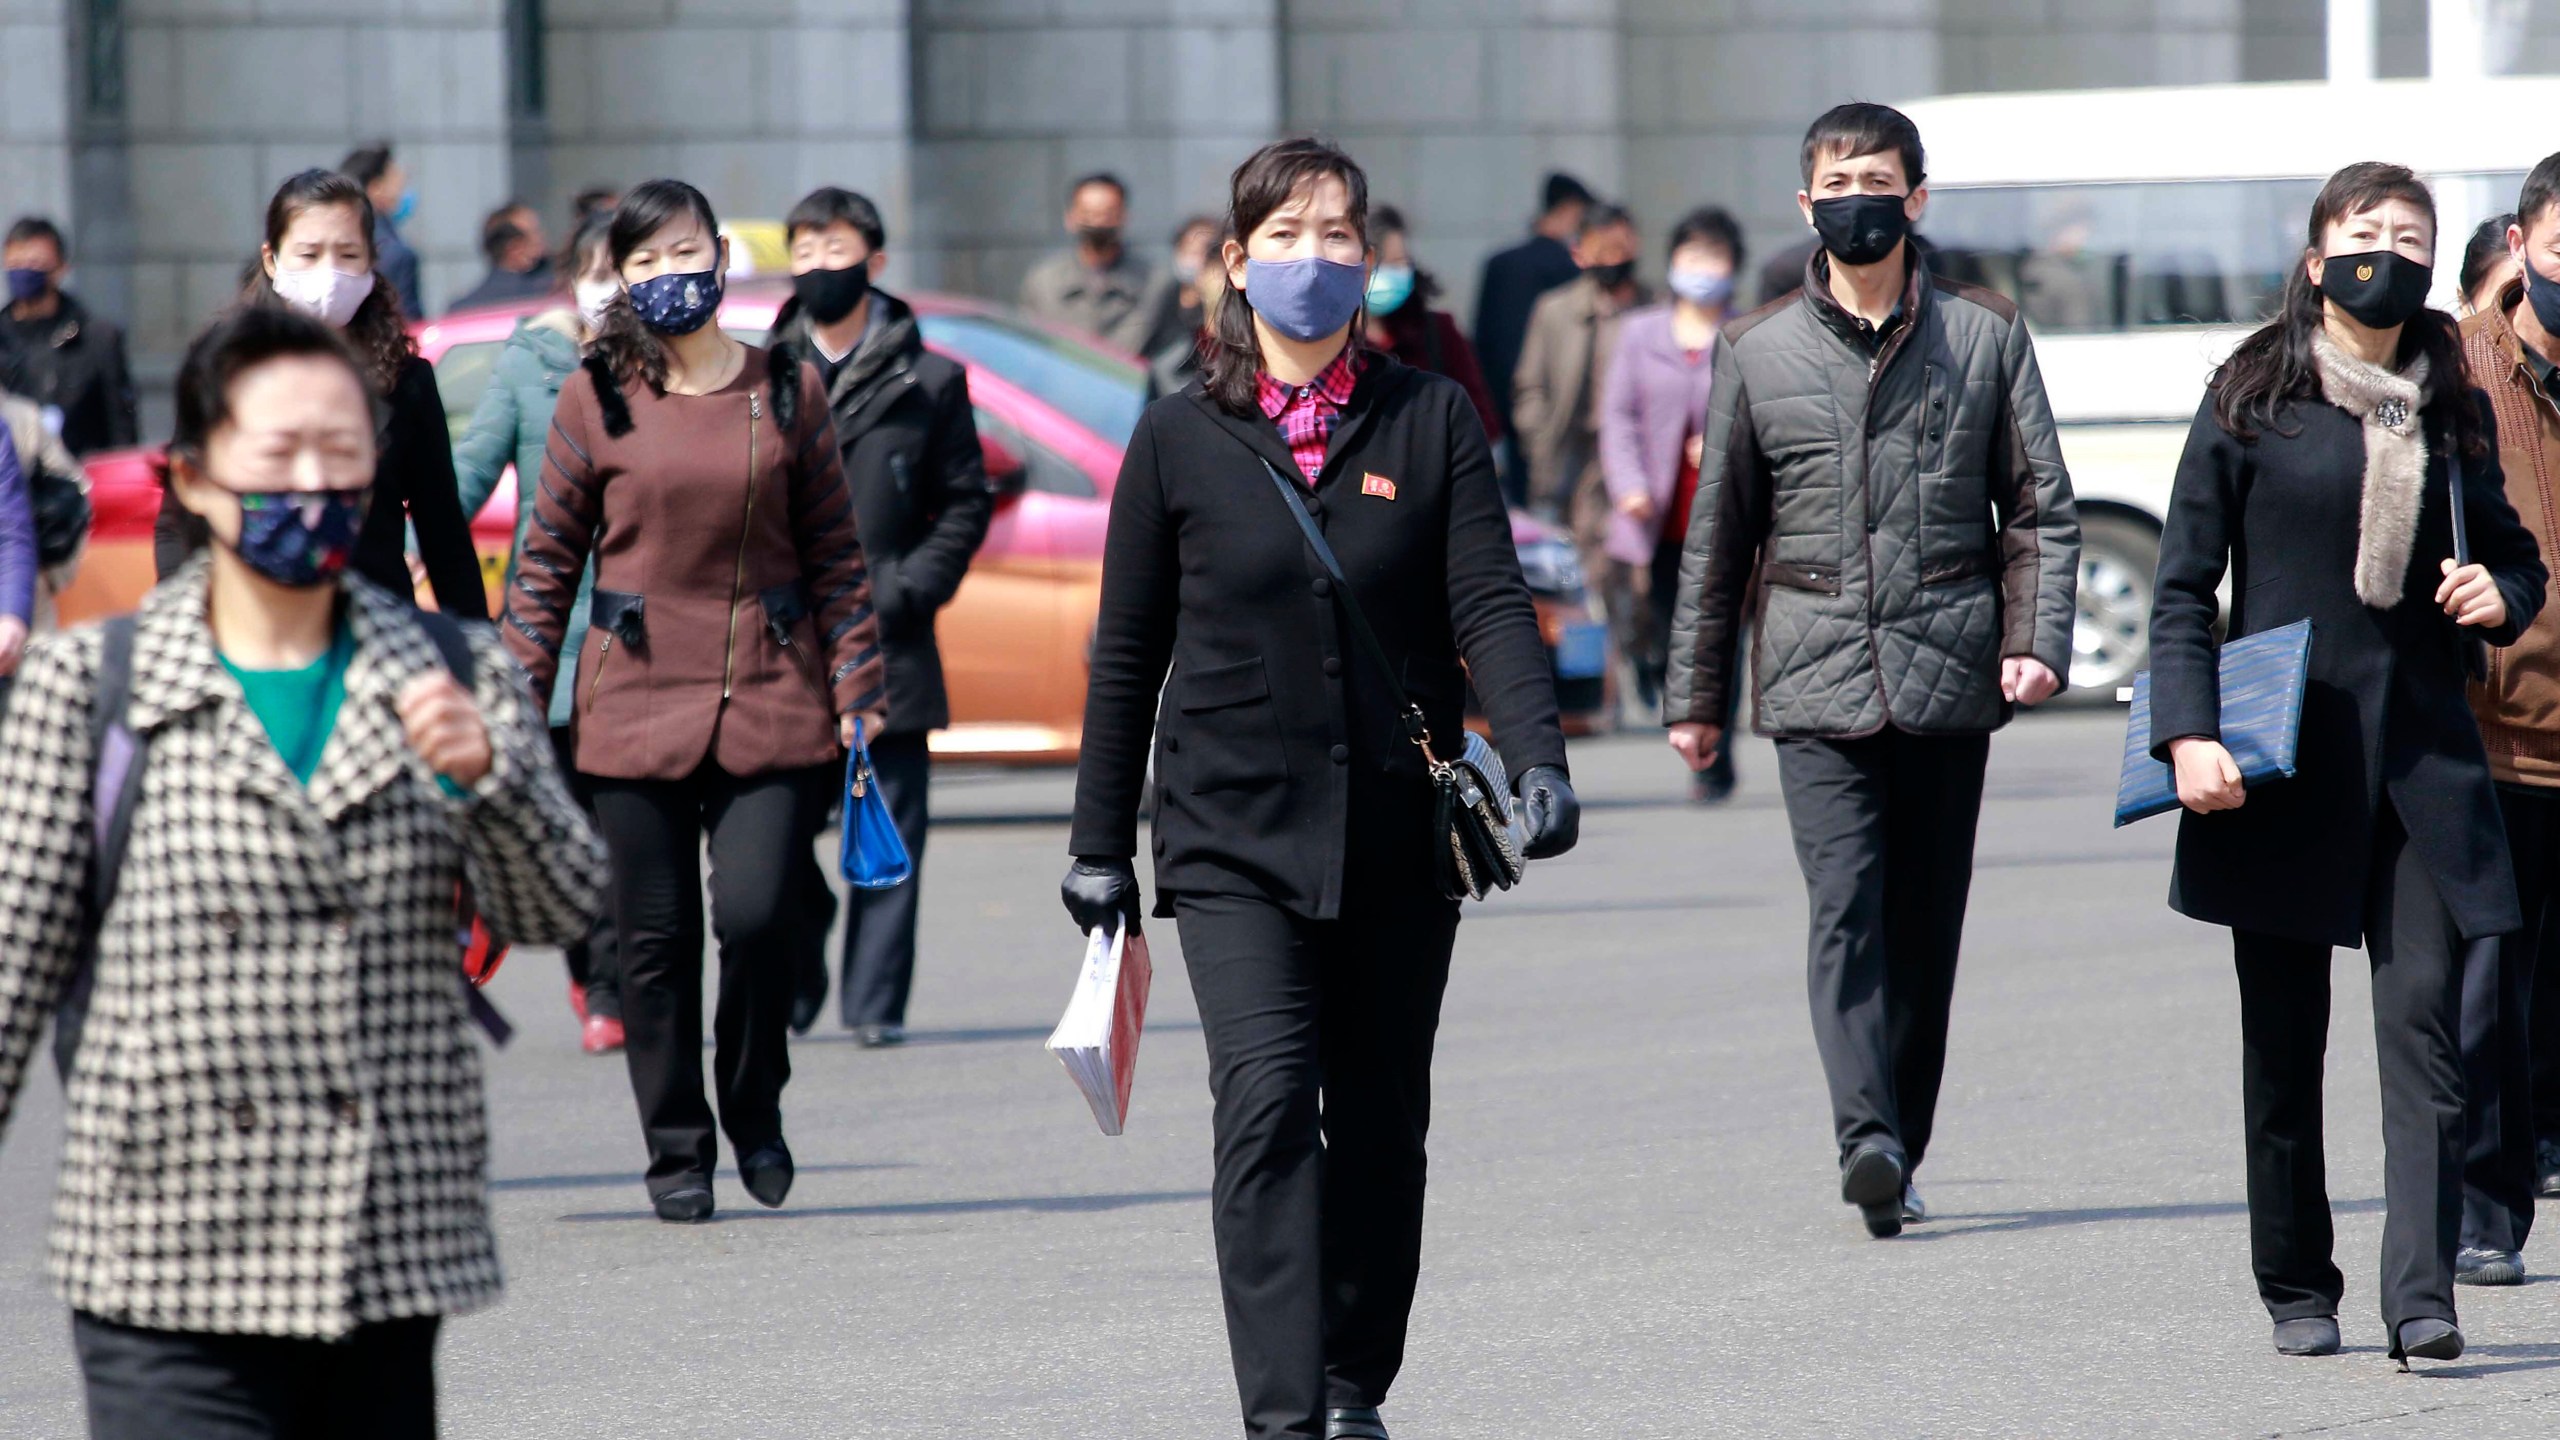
[[1099, 891], [1550, 818]]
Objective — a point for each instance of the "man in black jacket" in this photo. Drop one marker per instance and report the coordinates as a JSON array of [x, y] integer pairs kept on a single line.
[[55, 353], [921, 505], [1513, 281]]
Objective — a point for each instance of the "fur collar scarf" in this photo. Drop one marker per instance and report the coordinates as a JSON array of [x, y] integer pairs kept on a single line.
[[2395, 463]]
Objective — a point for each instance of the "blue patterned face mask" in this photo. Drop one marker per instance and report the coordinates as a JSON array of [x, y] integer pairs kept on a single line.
[[300, 538], [677, 304]]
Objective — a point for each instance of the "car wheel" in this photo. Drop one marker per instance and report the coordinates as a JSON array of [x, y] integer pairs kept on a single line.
[[2111, 636]]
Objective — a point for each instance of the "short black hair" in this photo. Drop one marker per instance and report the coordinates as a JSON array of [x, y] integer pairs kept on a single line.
[[1098, 177], [1386, 220], [1561, 190], [1195, 222], [2541, 191], [830, 204], [2488, 246], [243, 339], [1600, 215], [500, 230], [592, 200], [36, 227], [1862, 128], [1712, 224], [366, 164]]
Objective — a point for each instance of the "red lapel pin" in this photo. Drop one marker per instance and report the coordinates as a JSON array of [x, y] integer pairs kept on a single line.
[[1378, 485]]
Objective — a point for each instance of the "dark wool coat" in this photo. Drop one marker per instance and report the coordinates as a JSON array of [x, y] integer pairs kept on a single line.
[[2385, 716], [1273, 717]]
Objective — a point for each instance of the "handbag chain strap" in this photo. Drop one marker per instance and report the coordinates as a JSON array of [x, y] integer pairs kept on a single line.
[[1416, 728]]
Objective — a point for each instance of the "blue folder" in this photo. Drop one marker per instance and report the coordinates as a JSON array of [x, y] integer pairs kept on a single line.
[[2263, 677]]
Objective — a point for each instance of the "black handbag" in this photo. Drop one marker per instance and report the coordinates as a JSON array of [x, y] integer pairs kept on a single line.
[[1471, 796], [62, 514]]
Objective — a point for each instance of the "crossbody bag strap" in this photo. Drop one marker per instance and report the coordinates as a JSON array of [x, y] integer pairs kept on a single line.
[[1415, 728], [2453, 481]]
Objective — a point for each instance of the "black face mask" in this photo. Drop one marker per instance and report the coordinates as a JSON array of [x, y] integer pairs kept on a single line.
[[1099, 237], [2543, 294], [830, 295], [2380, 288], [1860, 229], [1613, 276]]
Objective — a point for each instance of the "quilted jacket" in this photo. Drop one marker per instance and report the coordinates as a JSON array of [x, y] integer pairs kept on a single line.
[[275, 1116], [1905, 505]]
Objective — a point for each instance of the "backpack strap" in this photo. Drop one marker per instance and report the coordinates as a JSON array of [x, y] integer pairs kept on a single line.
[[455, 648], [115, 788], [452, 644]]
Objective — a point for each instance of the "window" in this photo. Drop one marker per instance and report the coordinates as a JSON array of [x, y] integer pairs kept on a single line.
[[1103, 393], [462, 377], [1043, 469]]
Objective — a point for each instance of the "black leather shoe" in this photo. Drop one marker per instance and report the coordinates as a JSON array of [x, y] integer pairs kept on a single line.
[[2426, 1340], [1354, 1425], [804, 1012], [2546, 1168], [1914, 1209], [768, 1174], [2317, 1335], [880, 1037], [1871, 1179], [688, 1206], [2476, 1266]]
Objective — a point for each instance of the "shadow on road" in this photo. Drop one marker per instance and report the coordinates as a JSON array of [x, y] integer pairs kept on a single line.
[[633, 1177], [1026, 1204], [2524, 1357], [1513, 910], [1990, 1222], [988, 1035]]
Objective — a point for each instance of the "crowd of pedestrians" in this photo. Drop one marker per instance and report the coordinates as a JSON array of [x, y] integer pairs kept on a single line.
[[246, 823]]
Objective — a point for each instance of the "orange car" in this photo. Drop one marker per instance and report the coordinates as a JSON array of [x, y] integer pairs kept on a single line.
[[1053, 411]]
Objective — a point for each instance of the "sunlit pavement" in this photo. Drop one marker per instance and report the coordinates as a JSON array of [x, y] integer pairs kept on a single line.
[[1634, 1226]]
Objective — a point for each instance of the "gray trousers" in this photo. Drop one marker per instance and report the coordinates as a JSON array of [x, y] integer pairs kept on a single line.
[[1884, 830]]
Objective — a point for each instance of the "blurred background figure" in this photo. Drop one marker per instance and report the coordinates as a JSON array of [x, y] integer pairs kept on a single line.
[[1512, 282], [909, 442], [56, 353], [17, 561], [54, 479], [511, 427], [1097, 286], [592, 201], [1653, 416], [386, 185], [2060, 284], [1573, 330], [1192, 244], [1177, 362], [519, 268], [2488, 266], [1402, 322]]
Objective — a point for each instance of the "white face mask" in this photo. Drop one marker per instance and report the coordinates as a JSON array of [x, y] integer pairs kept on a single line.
[[328, 296], [593, 296]]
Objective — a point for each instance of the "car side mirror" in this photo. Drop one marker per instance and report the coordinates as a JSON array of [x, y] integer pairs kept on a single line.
[[1006, 472]]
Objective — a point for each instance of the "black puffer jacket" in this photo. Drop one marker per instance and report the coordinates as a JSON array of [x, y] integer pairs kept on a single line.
[[1904, 503]]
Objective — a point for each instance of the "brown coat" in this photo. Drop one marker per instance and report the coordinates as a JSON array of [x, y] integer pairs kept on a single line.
[[1555, 392], [732, 613], [2519, 706]]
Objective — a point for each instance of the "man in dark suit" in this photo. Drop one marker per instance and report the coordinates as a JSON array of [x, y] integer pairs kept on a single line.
[[1513, 281]]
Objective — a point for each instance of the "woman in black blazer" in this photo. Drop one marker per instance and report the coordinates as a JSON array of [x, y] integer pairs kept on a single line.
[[2317, 473], [1293, 829]]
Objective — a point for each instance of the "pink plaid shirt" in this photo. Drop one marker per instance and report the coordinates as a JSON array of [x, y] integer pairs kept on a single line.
[[1305, 413]]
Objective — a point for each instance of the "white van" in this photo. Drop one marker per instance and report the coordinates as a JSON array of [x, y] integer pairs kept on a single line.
[[2146, 231]]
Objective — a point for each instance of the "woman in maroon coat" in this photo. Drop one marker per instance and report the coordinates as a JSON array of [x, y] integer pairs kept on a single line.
[[1402, 322], [732, 652]]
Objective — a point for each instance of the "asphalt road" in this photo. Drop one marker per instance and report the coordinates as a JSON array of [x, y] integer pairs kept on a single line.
[[1634, 1228]]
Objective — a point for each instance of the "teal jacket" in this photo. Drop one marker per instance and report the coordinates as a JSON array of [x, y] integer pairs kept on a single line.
[[512, 426]]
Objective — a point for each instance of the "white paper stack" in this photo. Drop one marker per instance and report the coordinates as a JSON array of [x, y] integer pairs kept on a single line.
[[1097, 1039]]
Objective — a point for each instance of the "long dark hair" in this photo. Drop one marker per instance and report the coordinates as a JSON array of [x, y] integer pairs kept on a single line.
[[628, 349], [377, 333], [1387, 220], [2275, 367], [1263, 183], [594, 234]]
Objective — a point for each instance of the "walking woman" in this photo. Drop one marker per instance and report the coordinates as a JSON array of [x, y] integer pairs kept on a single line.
[[273, 1187], [2317, 475], [511, 427], [1293, 828], [1653, 416], [319, 261], [732, 652], [1403, 324]]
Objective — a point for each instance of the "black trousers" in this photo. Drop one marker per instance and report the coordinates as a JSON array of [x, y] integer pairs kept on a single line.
[[2510, 1052], [880, 925], [376, 1384], [759, 827], [1320, 1035], [2417, 956], [1884, 830], [592, 967]]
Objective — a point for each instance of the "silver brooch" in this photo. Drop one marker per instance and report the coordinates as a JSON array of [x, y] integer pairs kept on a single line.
[[2392, 413]]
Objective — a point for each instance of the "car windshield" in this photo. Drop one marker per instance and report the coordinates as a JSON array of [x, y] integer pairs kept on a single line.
[[462, 377], [2117, 257], [1099, 391]]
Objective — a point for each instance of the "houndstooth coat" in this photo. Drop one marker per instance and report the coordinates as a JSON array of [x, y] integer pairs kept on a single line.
[[276, 1124]]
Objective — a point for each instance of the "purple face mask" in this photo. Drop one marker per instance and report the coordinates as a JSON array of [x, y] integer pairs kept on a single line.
[[1305, 299]]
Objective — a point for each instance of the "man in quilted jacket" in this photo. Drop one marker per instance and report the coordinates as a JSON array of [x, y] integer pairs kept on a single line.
[[1879, 452]]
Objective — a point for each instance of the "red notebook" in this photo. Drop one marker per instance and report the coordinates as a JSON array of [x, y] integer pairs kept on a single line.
[[1097, 1039]]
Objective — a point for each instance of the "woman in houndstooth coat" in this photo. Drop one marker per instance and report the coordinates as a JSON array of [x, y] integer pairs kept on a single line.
[[273, 1185]]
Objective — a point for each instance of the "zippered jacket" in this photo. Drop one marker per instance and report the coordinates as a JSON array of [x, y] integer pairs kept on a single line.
[[2518, 705], [732, 614], [1904, 503]]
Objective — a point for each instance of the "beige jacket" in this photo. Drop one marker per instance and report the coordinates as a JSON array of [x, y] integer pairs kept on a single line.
[[2519, 705], [1555, 392]]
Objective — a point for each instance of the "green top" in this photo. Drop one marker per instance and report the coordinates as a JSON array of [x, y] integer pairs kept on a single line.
[[299, 707]]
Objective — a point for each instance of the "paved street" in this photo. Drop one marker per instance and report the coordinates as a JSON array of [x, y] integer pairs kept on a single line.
[[1634, 1228]]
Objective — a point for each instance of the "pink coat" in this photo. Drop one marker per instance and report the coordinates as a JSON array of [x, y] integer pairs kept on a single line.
[[1654, 396]]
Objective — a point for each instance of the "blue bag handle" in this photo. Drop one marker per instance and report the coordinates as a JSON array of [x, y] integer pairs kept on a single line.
[[873, 855]]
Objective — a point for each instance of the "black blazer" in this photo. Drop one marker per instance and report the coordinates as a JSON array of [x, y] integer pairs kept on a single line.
[[1273, 718], [412, 483], [2385, 713]]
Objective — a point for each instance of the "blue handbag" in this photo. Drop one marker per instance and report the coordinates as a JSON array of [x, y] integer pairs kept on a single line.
[[873, 857], [2263, 677]]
